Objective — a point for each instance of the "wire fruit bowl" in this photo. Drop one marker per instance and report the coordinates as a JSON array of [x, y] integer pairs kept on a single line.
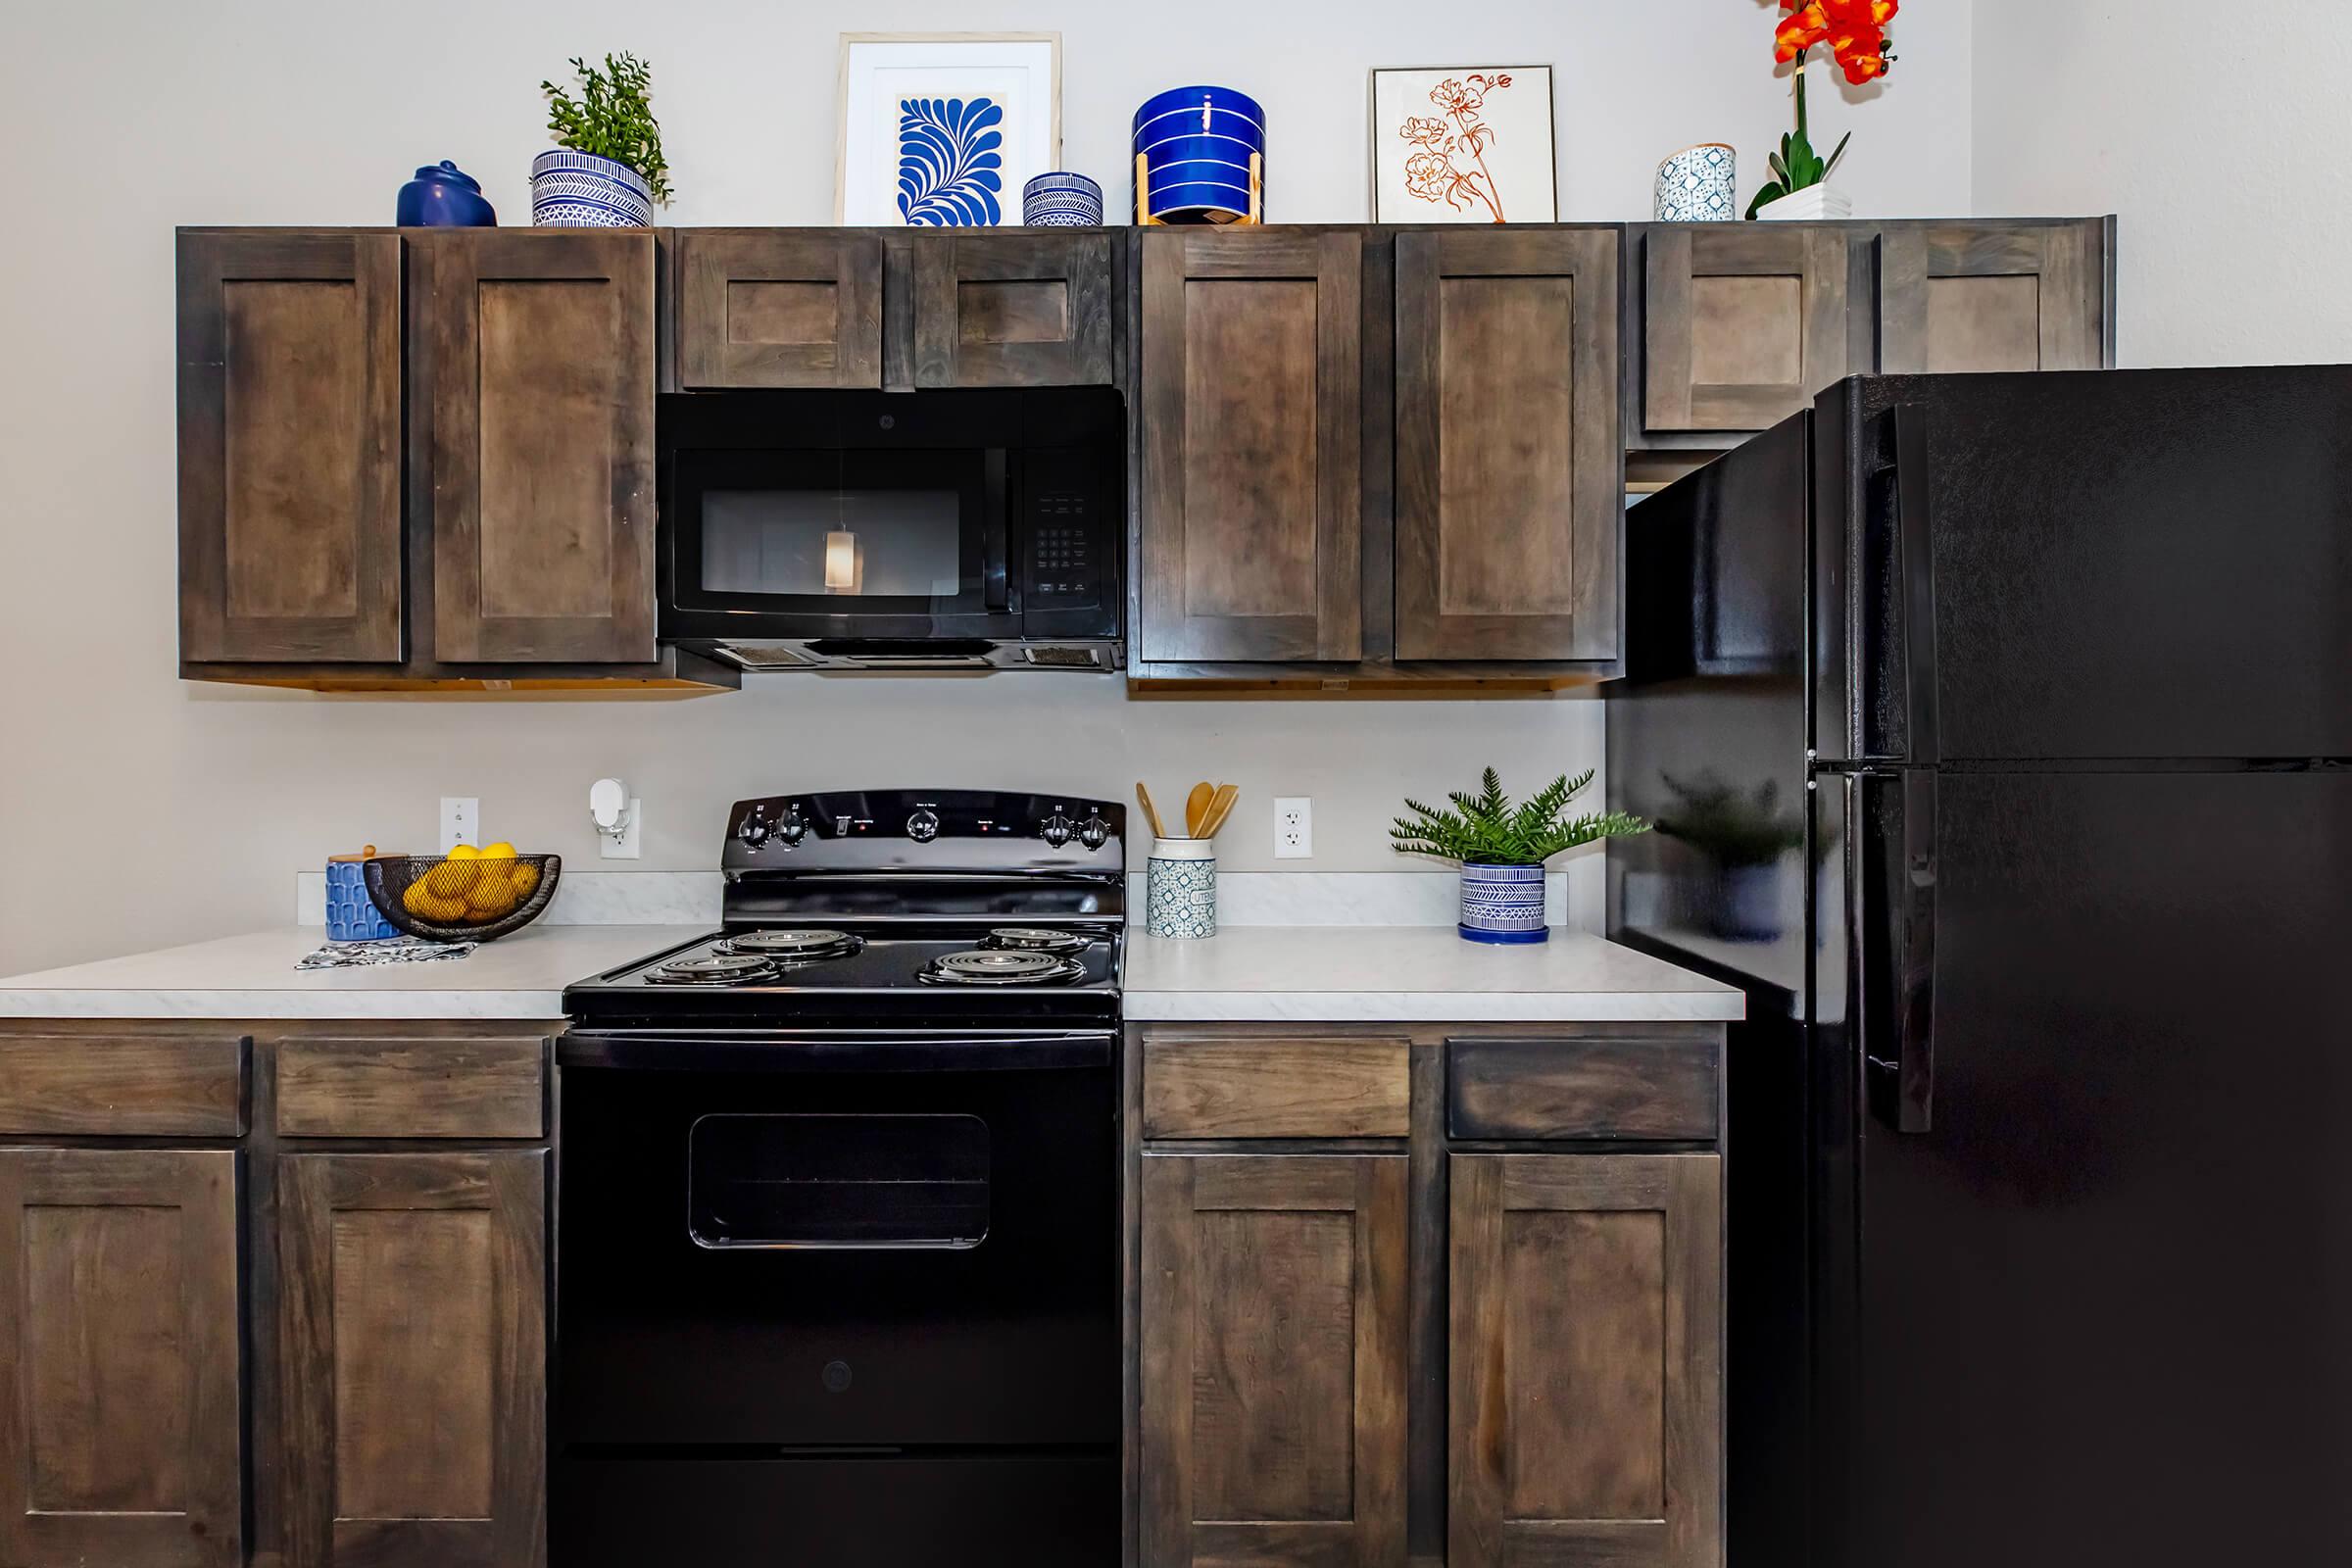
[[445, 900]]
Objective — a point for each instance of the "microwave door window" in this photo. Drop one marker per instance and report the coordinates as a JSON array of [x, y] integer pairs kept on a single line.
[[904, 545]]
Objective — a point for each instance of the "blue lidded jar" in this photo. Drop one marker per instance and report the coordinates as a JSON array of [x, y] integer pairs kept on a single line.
[[351, 915], [443, 196]]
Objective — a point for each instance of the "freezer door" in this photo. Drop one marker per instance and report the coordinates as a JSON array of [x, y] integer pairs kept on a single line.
[[2102, 1288], [2116, 563]]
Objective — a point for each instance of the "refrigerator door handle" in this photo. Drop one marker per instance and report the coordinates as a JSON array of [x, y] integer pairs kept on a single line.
[[1899, 1029], [1916, 544]]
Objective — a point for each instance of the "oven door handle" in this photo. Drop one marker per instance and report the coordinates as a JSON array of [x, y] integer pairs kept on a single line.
[[765, 1051]]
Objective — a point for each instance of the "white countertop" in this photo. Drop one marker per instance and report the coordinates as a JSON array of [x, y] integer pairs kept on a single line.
[[252, 976], [1409, 974]]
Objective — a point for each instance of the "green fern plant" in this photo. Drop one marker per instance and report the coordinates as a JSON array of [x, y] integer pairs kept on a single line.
[[612, 118], [1486, 829]]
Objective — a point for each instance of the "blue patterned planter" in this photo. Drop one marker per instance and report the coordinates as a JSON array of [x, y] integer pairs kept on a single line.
[[1199, 158], [1503, 903], [1180, 894], [580, 191], [1695, 186], [1061, 200], [351, 915]]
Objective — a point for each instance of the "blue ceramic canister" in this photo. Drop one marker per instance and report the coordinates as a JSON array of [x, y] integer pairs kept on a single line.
[[351, 915], [580, 191], [1503, 903], [443, 196], [1180, 888], [1061, 200], [1199, 158]]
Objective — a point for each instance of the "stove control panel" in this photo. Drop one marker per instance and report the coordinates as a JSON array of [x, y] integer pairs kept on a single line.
[[926, 830]]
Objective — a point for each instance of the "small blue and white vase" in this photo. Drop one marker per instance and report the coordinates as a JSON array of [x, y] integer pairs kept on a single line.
[[1180, 890], [1503, 903], [1061, 200], [1696, 187], [351, 915], [580, 191]]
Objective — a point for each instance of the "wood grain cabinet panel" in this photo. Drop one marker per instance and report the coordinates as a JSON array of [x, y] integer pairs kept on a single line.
[[1259, 1088], [1991, 296], [1012, 309], [1586, 1364], [120, 1425], [412, 1088], [1509, 461], [153, 1087], [540, 389], [414, 1346], [1640, 1089], [1273, 1376], [289, 446], [779, 308], [1743, 322], [1250, 412]]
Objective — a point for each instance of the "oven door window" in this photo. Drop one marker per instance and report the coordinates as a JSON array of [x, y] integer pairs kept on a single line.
[[912, 1182], [850, 535]]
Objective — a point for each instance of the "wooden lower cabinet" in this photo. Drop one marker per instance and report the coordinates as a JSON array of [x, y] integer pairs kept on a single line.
[[413, 1344], [1273, 1360], [120, 1421], [1586, 1361]]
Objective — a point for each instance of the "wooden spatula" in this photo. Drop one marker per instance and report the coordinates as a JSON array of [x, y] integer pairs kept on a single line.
[[1220, 806], [1196, 807], [1143, 797]]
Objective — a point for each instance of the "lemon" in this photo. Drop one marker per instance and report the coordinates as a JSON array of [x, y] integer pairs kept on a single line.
[[464, 851], [525, 879], [450, 879], [414, 899], [500, 851], [440, 910], [491, 897]]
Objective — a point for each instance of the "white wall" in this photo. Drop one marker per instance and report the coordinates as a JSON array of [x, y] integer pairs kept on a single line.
[[136, 810], [2220, 149]]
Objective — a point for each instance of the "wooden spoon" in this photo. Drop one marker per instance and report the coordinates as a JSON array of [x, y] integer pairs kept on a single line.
[[1196, 807], [1220, 808], [1143, 797]]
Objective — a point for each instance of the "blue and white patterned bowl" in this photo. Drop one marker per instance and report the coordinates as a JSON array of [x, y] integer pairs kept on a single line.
[[1503, 903], [1199, 157], [1696, 187], [580, 191], [1180, 888], [1061, 200]]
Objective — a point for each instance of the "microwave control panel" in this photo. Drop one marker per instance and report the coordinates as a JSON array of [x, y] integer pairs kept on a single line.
[[1063, 571]]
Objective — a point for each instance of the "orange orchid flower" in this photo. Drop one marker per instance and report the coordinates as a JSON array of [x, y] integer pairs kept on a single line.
[[1800, 31]]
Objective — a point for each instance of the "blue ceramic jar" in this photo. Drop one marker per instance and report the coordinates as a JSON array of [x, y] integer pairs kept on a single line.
[[443, 196], [1199, 158]]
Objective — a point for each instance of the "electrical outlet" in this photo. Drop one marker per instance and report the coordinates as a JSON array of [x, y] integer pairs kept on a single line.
[[461, 821], [1293, 827], [624, 847]]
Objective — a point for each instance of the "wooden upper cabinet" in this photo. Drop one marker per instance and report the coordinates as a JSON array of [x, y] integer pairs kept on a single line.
[[779, 308], [1012, 309], [1273, 1357], [289, 446], [1586, 1369], [120, 1425], [1250, 407], [414, 1334], [1993, 296], [539, 383], [1509, 461], [1743, 322]]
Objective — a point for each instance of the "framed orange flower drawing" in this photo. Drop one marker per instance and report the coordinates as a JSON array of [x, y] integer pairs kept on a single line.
[[1463, 144]]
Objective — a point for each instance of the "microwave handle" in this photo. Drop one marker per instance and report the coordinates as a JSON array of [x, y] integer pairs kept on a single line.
[[996, 591]]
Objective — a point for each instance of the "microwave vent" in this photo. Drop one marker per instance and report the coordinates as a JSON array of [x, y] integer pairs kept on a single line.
[[1056, 656], [770, 655]]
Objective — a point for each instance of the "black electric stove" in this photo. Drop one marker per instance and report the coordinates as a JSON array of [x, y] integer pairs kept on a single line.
[[836, 1200]]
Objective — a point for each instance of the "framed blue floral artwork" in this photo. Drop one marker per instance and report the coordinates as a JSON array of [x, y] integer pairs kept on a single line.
[[942, 130]]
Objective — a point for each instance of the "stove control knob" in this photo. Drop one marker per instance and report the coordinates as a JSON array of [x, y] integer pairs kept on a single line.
[[1093, 832], [1057, 830], [755, 832], [923, 825], [794, 829]]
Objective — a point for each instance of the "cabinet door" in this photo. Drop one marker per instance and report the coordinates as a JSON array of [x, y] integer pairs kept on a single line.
[[1252, 408], [779, 308], [1587, 1366], [541, 387], [1743, 322], [1509, 465], [1011, 310], [415, 1359], [289, 447], [1991, 297], [1273, 1360], [119, 1430]]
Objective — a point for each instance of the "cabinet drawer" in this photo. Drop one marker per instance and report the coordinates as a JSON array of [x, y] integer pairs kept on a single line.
[[73, 1085], [412, 1088], [1634, 1090], [1297, 1088]]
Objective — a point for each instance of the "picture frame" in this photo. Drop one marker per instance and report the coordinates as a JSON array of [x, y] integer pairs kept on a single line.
[[1463, 144], [943, 129]]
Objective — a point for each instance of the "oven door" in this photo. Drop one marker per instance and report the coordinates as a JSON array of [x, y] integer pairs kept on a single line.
[[845, 542]]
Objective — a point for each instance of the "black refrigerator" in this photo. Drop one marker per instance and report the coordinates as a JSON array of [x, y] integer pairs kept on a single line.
[[2000, 732]]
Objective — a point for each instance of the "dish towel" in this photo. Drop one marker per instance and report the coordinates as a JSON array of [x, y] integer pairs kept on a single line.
[[399, 950]]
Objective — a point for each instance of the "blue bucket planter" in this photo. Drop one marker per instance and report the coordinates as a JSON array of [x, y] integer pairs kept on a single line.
[[1199, 158], [1503, 903]]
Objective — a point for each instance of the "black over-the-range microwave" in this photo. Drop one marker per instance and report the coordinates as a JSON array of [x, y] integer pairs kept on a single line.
[[948, 530]]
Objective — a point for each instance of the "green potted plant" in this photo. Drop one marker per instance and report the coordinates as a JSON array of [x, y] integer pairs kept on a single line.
[[1744, 834], [605, 170], [1501, 850]]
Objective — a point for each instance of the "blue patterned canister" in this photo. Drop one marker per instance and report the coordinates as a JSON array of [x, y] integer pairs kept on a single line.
[[1061, 200], [1199, 158], [1695, 186], [1180, 894], [580, 191], [351, 915], [1503, 903]]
